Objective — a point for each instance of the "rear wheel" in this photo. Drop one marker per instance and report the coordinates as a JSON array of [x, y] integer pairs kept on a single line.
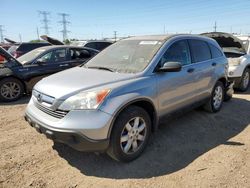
[[217, 97], [245, 80], [130, 134], [11, 89]]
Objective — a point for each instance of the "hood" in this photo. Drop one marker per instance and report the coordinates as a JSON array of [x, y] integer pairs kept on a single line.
[[51, 40], [9, 57], [71, 81], [227, 42], [10, 41]]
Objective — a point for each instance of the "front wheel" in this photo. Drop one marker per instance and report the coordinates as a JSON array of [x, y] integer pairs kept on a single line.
[[245, 80], [11, 89], [130, 134], [217, 97]]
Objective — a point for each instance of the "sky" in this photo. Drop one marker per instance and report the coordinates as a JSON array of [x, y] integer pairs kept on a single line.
[[95, 19]]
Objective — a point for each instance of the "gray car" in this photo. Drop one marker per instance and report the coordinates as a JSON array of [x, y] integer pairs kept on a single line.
[[114, 101]]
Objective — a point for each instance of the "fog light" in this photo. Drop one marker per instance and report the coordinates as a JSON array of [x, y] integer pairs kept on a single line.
[[231, 73]]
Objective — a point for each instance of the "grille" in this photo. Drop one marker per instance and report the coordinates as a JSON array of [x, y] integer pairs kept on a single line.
[[57, 114]]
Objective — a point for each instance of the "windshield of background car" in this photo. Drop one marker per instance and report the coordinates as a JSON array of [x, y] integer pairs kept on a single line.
[[30, 55], [126, 56]]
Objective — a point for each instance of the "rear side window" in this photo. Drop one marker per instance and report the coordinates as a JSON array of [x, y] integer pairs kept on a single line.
[[215, 51], [177, 52], [200, 50], [101, 45], [91, 45]]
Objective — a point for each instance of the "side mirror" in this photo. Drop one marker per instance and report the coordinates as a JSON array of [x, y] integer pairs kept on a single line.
[[170, 67], [40, 62]]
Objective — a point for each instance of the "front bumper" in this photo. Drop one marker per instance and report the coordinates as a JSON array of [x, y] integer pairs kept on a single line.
[[81, 130]]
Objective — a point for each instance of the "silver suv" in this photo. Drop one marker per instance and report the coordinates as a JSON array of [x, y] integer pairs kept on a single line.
[[116, 100]]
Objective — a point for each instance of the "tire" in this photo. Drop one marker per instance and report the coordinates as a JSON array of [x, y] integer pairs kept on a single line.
[[126, 120], [11, 89], [245, 80], [211, 105]]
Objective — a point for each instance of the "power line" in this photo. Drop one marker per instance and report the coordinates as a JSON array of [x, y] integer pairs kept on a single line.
[[1, 33], [45, 21], [65, 23]]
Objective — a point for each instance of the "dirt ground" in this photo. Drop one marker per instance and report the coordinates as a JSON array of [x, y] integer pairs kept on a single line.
[[197, 149]]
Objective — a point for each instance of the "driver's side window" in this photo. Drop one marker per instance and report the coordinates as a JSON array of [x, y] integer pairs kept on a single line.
[[177, 52], [47, 57]]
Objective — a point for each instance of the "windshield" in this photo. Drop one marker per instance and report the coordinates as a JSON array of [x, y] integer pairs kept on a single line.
[[126, 56], [30, 55]]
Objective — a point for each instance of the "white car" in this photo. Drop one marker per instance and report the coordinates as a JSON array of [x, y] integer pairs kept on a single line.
[[237, 50]]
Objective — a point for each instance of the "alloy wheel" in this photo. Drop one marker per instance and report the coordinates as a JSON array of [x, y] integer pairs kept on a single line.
[[133, 135], [10, 90], [218, 97]]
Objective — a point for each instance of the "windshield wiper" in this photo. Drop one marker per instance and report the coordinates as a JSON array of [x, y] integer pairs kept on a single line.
[[101, 68]]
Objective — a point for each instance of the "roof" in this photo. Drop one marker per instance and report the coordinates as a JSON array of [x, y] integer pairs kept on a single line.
[[150, 37]]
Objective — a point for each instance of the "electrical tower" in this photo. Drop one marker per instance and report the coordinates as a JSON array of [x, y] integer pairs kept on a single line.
[[64, 23], [1, 33], [45, 21]]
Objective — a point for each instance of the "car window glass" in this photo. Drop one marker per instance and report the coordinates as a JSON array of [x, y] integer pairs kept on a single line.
[[200, 50], [55, 56], [79, 54], [177, 52], [91, 45], [59, 55], [47, 57], [215, 51]]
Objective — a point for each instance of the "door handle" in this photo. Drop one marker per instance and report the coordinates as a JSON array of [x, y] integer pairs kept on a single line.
[[64, 65], [214, 64], [190, 70]]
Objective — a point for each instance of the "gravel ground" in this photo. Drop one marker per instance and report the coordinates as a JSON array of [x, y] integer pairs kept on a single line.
[[197, 149]]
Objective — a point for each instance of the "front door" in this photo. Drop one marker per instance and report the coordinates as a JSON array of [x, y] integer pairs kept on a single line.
[[176, 89]]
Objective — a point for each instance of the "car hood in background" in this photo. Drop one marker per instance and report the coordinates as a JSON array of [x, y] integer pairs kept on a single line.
[[51, 40], [227, 42], [69, 82]]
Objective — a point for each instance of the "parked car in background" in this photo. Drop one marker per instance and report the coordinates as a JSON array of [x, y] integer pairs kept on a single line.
[[18, 76], [237, 52], [114, 101], [18, 50], [95, 44]]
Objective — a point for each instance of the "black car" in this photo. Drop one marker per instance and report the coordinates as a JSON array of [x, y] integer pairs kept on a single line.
[[95, 44], [18, 76]]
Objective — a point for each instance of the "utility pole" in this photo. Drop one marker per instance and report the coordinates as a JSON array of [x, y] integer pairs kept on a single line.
[[1, 33], [115, 35], [37, 32], [65, 23], [45, 21], [215, 27], [20, 37]]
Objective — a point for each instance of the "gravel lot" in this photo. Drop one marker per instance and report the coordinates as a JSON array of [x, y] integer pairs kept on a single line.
[[197, 149]]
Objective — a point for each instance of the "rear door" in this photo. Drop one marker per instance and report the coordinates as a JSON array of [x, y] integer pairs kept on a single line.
[[204, 67], [176, 89]]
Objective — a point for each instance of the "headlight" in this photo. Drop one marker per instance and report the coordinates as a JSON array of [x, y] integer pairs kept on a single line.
[[234, 61], [84, 100]]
